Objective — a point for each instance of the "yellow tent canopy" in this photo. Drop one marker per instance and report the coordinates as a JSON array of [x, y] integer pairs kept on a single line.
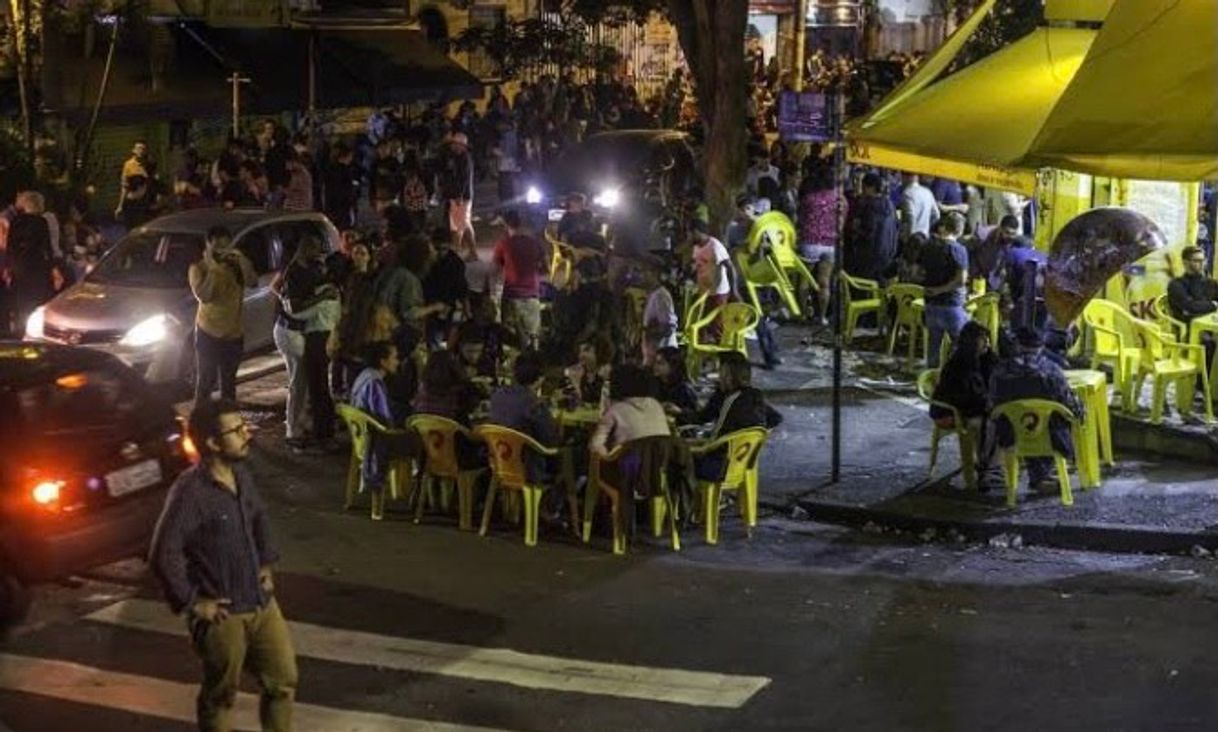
[[977, 125], [1144, 104]]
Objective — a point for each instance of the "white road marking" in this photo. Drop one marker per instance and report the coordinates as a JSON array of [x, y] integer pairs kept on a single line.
[[174, 700], [499, 665]]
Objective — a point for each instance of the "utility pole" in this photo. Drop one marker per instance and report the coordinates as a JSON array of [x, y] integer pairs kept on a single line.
[[236, 80]]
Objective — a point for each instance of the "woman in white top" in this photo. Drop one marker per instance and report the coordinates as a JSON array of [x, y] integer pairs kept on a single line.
[[633, 412]]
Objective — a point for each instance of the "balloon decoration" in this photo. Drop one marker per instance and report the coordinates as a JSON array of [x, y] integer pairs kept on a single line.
[[1089, 250]]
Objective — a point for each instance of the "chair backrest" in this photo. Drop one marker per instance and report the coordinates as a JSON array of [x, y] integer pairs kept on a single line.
[[1155, 342], [743, 449], [1029, 420], [904, 294], [781, 232], [506, 452], [653, 455], [928, 381], [439, 438], [737, 317], [1161, 311], [986, 311], [1106, 318], [359, 425]]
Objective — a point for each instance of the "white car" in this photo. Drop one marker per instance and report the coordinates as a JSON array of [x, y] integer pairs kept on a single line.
[[136, 303]]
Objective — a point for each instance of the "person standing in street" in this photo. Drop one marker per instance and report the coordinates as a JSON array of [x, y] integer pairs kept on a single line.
[[218, 282], [212, 555], [133, 177], [871, 232], [521, 256], [919, 210], [457, 188], [945, 264]]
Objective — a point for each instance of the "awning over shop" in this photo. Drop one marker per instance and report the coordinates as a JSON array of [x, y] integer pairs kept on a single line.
[[1144, 104], [975, 125], [351, 68]]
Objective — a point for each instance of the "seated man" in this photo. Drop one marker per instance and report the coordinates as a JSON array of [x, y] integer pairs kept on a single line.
[[588, 378], [735, 405], [1192, 293], [521, 408], [1030, 374]]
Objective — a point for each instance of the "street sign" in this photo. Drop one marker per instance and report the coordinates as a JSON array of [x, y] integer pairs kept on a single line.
[[804, 117]]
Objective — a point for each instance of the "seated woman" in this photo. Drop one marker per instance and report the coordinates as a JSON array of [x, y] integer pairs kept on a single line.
[[676, 391], [445, 391], [735, 405], [370, 395], [964, 383], [589, 376], [633, 412]]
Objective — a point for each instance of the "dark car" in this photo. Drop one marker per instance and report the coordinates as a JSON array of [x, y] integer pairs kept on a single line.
[[87, 454], [630, 177]]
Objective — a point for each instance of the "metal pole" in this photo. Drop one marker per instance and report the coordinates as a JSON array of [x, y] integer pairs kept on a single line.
[[237, 80], [839, 172], [82, 154], [801, 40]]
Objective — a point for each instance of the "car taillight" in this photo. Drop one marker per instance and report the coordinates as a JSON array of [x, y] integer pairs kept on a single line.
[[46, 492]]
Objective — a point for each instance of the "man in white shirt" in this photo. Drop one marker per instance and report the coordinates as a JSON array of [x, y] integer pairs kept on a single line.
[[761, 168], [1000, 204], [919, 210], [713, 270]]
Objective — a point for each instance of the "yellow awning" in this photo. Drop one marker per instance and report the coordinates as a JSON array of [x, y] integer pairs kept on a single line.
[[976, 125], [1144, 104]]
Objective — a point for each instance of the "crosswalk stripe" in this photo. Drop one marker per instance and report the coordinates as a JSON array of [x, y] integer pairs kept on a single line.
[[174, 700], [500, 665]]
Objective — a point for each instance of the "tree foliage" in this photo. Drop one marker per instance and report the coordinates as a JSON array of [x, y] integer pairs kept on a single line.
[[1009, 21]]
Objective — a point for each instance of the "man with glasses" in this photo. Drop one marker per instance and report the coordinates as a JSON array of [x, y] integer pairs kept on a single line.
[[212, 554], [1192, 293]]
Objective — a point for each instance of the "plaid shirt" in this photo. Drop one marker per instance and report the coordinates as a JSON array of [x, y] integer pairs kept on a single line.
[[211, 542]]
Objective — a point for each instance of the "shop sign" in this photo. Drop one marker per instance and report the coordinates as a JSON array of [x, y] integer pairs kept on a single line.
[[804, 117]]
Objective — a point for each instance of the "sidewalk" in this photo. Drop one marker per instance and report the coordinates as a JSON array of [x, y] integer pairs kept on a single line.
[[1161, 496]]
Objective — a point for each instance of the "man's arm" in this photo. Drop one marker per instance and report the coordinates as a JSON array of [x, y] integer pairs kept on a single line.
[[249, 277], [202, 279], [167, 557]]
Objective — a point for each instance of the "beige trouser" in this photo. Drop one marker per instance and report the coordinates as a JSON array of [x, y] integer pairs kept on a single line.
[[258, 640]]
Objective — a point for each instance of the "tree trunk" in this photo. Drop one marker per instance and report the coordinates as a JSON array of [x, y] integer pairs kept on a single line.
[[712, 37]]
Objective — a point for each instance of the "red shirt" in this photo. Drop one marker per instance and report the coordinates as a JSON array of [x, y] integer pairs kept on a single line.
[[521, 257]]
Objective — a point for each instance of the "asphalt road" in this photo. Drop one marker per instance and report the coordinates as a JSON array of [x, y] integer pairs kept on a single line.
[[802, 627]]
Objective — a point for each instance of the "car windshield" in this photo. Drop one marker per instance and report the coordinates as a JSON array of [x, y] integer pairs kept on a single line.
[[157, 259]]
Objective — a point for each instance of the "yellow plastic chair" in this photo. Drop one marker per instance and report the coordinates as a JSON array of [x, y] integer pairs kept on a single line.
[[506, 449], [1169, 363], [743, 448], [784, 244], [1095, 399], [360, 427], [928, 380], [764, 272], [735, 319], [854, 308], [562, 261], [985, 310], [1161, 312], [1116, 344], [1029, 420], [442, 468], [654, 454], [908, 316]]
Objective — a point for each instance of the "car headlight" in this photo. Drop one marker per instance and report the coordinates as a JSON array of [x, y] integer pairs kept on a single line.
[[532, 196], [36, 323], [146, 332], [608, 198]]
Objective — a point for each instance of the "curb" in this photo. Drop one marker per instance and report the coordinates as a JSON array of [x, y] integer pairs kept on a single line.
[[1093, 537]]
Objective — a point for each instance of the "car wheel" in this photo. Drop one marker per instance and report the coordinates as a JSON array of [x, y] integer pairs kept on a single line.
[[14, 601]]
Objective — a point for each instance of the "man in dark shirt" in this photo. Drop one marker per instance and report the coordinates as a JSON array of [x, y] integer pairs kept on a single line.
[[457, 189], [735, 405], [212, 554], [1192, 293], [944, 263], [1030, 374], [521, 408], [341, 188], [871, 232], [444, 282]]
